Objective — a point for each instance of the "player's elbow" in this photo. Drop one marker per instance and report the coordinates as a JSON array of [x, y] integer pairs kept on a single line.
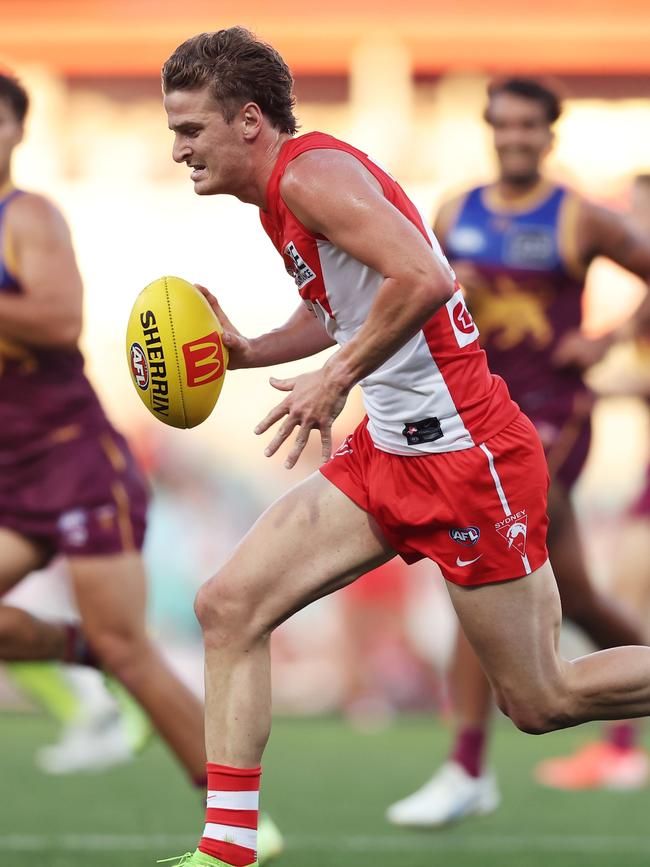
[[63, 332], [432, 291]]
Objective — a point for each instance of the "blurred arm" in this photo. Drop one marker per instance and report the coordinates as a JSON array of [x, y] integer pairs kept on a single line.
[[605, 233], [48, 311], [465, 271]]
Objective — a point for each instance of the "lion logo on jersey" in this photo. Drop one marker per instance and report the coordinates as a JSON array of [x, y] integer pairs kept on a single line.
[[508, 314]]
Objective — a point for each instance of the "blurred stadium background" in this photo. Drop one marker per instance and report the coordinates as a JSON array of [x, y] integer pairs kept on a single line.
[[406, 83]]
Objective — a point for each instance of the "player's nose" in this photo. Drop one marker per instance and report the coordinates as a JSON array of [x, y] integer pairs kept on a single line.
[[180, 152]]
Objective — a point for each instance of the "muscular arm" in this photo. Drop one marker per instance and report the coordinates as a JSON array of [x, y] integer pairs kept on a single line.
[[48, 312], [332, 194], [602, 232], [301, 336]]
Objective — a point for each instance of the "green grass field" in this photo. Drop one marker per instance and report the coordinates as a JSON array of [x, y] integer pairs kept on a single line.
[[327, 787]]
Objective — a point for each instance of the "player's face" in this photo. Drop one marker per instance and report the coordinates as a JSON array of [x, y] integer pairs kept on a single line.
[[522, 136], [11, 133], [212, 148]]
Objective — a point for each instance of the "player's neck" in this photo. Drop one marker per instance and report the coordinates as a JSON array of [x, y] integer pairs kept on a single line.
[[511, 189], [255, 193]]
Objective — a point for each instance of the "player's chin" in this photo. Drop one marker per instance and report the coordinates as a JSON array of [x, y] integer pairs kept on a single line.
[[205, 187], [202, 188]]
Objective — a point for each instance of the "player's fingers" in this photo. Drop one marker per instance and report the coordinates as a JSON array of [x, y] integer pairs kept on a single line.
[[283, 432], [298, 446], [226, 324], [326, 442], [274, 415], [283, 384], [232, 341]]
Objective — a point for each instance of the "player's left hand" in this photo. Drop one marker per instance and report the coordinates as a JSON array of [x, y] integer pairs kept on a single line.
[[313, 402], [581, 352]]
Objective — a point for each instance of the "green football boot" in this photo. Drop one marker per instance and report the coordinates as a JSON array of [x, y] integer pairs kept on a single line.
[[269, 845], [269, 840], [197, 859]]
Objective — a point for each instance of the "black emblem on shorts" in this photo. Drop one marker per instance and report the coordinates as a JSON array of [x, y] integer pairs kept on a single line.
[[424, 431]]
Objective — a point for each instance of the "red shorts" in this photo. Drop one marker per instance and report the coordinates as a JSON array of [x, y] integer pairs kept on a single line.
[[479, 513]]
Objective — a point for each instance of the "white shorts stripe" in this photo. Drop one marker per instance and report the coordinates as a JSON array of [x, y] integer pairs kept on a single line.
[[497, 480], [234, 800], [502, 496], [246, 837]]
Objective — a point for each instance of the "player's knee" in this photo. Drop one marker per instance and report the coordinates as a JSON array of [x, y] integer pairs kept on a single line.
[[224, 610], [119, 650], [546, 712]]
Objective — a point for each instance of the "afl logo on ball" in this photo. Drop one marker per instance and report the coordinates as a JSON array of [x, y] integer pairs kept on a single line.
[[139, 366]]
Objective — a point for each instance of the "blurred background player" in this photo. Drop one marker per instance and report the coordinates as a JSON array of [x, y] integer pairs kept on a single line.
[[520, 248], [100, 724], [631, 579], [68, 483]]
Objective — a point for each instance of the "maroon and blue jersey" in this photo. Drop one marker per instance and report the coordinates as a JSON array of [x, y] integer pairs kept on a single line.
[[528, 289], [67, 479], [524, 288], [43, 391]]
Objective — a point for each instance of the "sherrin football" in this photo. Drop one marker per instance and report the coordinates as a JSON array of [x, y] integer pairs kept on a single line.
[[174, 351]]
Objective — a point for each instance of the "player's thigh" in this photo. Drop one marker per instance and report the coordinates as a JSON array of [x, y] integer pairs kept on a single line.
[[18, 557], [310, 542], [514, 628], [111, 592]]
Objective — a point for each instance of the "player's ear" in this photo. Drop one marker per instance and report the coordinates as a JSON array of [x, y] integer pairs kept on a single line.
[[252, 119]]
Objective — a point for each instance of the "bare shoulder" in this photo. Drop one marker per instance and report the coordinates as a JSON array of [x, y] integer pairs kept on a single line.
[[32, 213], [600, 230], [447, 214], [315, 170], [323, 185]]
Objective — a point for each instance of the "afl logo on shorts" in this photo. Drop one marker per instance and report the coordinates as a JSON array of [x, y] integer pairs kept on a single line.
[[465, 535], [139, 366]]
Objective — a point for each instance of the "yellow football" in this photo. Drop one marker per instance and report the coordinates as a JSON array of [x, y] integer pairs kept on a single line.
[[174, 351]]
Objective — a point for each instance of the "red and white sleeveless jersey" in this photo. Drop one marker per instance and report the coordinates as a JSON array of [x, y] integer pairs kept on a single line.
[[436, 393]]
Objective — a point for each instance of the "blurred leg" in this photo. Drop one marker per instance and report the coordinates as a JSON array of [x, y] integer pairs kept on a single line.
[[111, 594], [23, 636], [605, 620]]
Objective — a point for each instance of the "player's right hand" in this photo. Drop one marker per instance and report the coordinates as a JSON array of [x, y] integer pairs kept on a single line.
[[239, 347]]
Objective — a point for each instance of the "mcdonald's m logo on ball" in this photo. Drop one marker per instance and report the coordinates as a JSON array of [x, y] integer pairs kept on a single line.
[[203, 360]]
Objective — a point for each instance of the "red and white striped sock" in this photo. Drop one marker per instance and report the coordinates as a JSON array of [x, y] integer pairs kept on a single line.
[[230, 832]]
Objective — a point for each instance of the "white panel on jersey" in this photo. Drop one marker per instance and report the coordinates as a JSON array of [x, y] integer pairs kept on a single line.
[[465, 328], [409, 386]]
